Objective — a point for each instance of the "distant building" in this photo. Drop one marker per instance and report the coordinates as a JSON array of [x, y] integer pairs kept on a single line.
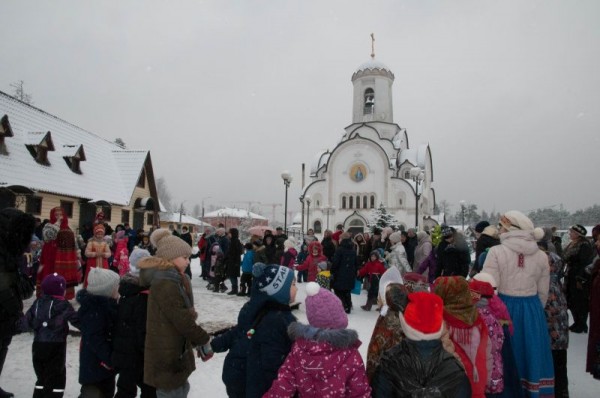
[[372, 164], [47, 162], [232, 218], [178, 221]]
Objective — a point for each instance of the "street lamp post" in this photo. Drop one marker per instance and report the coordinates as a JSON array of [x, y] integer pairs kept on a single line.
[[302, 219], [418, 175], [287, 179], [462, 209], [307, 200], [202, 218]]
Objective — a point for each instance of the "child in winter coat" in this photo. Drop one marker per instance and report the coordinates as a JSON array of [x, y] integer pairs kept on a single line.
[[373, 270], [121, 257], [324, 275], [481, 292], [217, 269], [49, 317], [247, 263], [419, 366], [97, 252], [259, 343], [324, 360], [311, 264], [97, 316], [302, 275], [130, 334], [171, 329], [288, 259]]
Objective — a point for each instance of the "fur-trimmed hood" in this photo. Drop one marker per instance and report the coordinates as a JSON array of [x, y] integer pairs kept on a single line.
[[148, 267], [323, 353], [336, 338]]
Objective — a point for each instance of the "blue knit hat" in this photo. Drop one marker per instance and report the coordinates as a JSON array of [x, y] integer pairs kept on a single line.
[[274, 281]]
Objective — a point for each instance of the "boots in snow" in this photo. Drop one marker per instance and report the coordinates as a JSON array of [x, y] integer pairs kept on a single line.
[[223, 288], [368, 305], [242, 291], [233, 292]]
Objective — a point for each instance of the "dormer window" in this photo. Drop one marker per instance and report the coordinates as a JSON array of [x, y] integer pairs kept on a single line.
[[39, 144], [73, 156], [5, 131], [369, 107]]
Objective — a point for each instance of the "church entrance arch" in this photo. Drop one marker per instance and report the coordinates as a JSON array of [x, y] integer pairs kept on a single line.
[[356, 226]]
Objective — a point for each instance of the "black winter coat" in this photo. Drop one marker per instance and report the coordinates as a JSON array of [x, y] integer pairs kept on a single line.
[[452, 259], [252, 364], [233, 258], [130, 327], [343, 269], [420, 369], [16, 229], [49, 318], [97, 317], [484, 242], [328, 248]]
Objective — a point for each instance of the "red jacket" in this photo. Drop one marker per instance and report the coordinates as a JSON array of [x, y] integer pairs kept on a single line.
[[312, 261], [372, 268]]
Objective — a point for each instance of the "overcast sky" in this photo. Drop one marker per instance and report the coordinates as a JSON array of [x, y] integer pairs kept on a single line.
[[227, 94]]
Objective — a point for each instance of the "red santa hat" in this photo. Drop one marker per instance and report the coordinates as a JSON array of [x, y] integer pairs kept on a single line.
[[423, 317]]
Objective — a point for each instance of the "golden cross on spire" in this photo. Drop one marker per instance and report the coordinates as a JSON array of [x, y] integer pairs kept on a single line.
[[373, 45]]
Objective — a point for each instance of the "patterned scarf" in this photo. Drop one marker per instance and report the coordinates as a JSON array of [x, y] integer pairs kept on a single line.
[[458, 305]]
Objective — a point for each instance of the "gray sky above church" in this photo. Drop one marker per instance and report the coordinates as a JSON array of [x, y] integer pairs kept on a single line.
[[227, 94]]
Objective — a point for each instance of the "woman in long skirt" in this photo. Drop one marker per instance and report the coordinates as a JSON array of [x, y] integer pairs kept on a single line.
[[523, 275]]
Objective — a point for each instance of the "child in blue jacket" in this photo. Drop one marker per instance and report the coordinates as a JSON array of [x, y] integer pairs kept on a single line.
[[246, 279]]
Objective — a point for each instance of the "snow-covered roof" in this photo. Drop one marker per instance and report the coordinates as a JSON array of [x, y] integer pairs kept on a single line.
[[319, 161], [185, 219], [415, 156], [373, 64], [237, 213], [108, 173]]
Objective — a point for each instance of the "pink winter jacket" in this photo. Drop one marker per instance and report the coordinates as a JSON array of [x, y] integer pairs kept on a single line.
[[323, 363], [519, 267]]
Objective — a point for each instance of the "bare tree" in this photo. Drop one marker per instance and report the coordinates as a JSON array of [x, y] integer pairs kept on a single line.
[[20, 93], [163, 193], [443, 206], [120, 142]]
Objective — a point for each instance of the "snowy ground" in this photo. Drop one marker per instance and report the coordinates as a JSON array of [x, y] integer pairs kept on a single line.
[[18, 375]]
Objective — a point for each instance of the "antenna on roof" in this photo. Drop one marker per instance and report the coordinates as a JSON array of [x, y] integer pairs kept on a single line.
[[373, 45]]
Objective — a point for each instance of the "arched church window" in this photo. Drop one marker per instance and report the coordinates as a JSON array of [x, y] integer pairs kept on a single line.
[[357, 202], [369, 101], [372, 201], [317, 227], [401, 202], [318, 203], [343, 202], [365, 202], [351, 202]]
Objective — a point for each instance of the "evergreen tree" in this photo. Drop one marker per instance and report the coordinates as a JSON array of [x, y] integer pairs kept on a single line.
[[380, 218]]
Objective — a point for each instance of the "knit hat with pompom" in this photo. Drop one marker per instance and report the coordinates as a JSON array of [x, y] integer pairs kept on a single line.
[[274, 280], [324, 309], [514, 220], [169, 246]]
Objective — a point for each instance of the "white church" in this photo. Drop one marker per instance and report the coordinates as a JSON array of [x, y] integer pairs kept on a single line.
[[371, 165]]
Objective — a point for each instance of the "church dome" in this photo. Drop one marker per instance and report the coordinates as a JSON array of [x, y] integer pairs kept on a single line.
[[372, 67]]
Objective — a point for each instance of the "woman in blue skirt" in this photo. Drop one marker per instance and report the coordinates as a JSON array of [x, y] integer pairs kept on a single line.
[[522, 272]]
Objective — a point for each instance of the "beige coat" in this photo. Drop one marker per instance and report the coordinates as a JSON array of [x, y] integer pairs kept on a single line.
[[502, 262]]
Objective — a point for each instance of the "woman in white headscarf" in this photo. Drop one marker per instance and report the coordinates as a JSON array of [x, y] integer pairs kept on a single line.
[[522, 272]]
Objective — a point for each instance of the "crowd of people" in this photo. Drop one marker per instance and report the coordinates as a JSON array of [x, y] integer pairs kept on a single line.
[[447, 326]]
